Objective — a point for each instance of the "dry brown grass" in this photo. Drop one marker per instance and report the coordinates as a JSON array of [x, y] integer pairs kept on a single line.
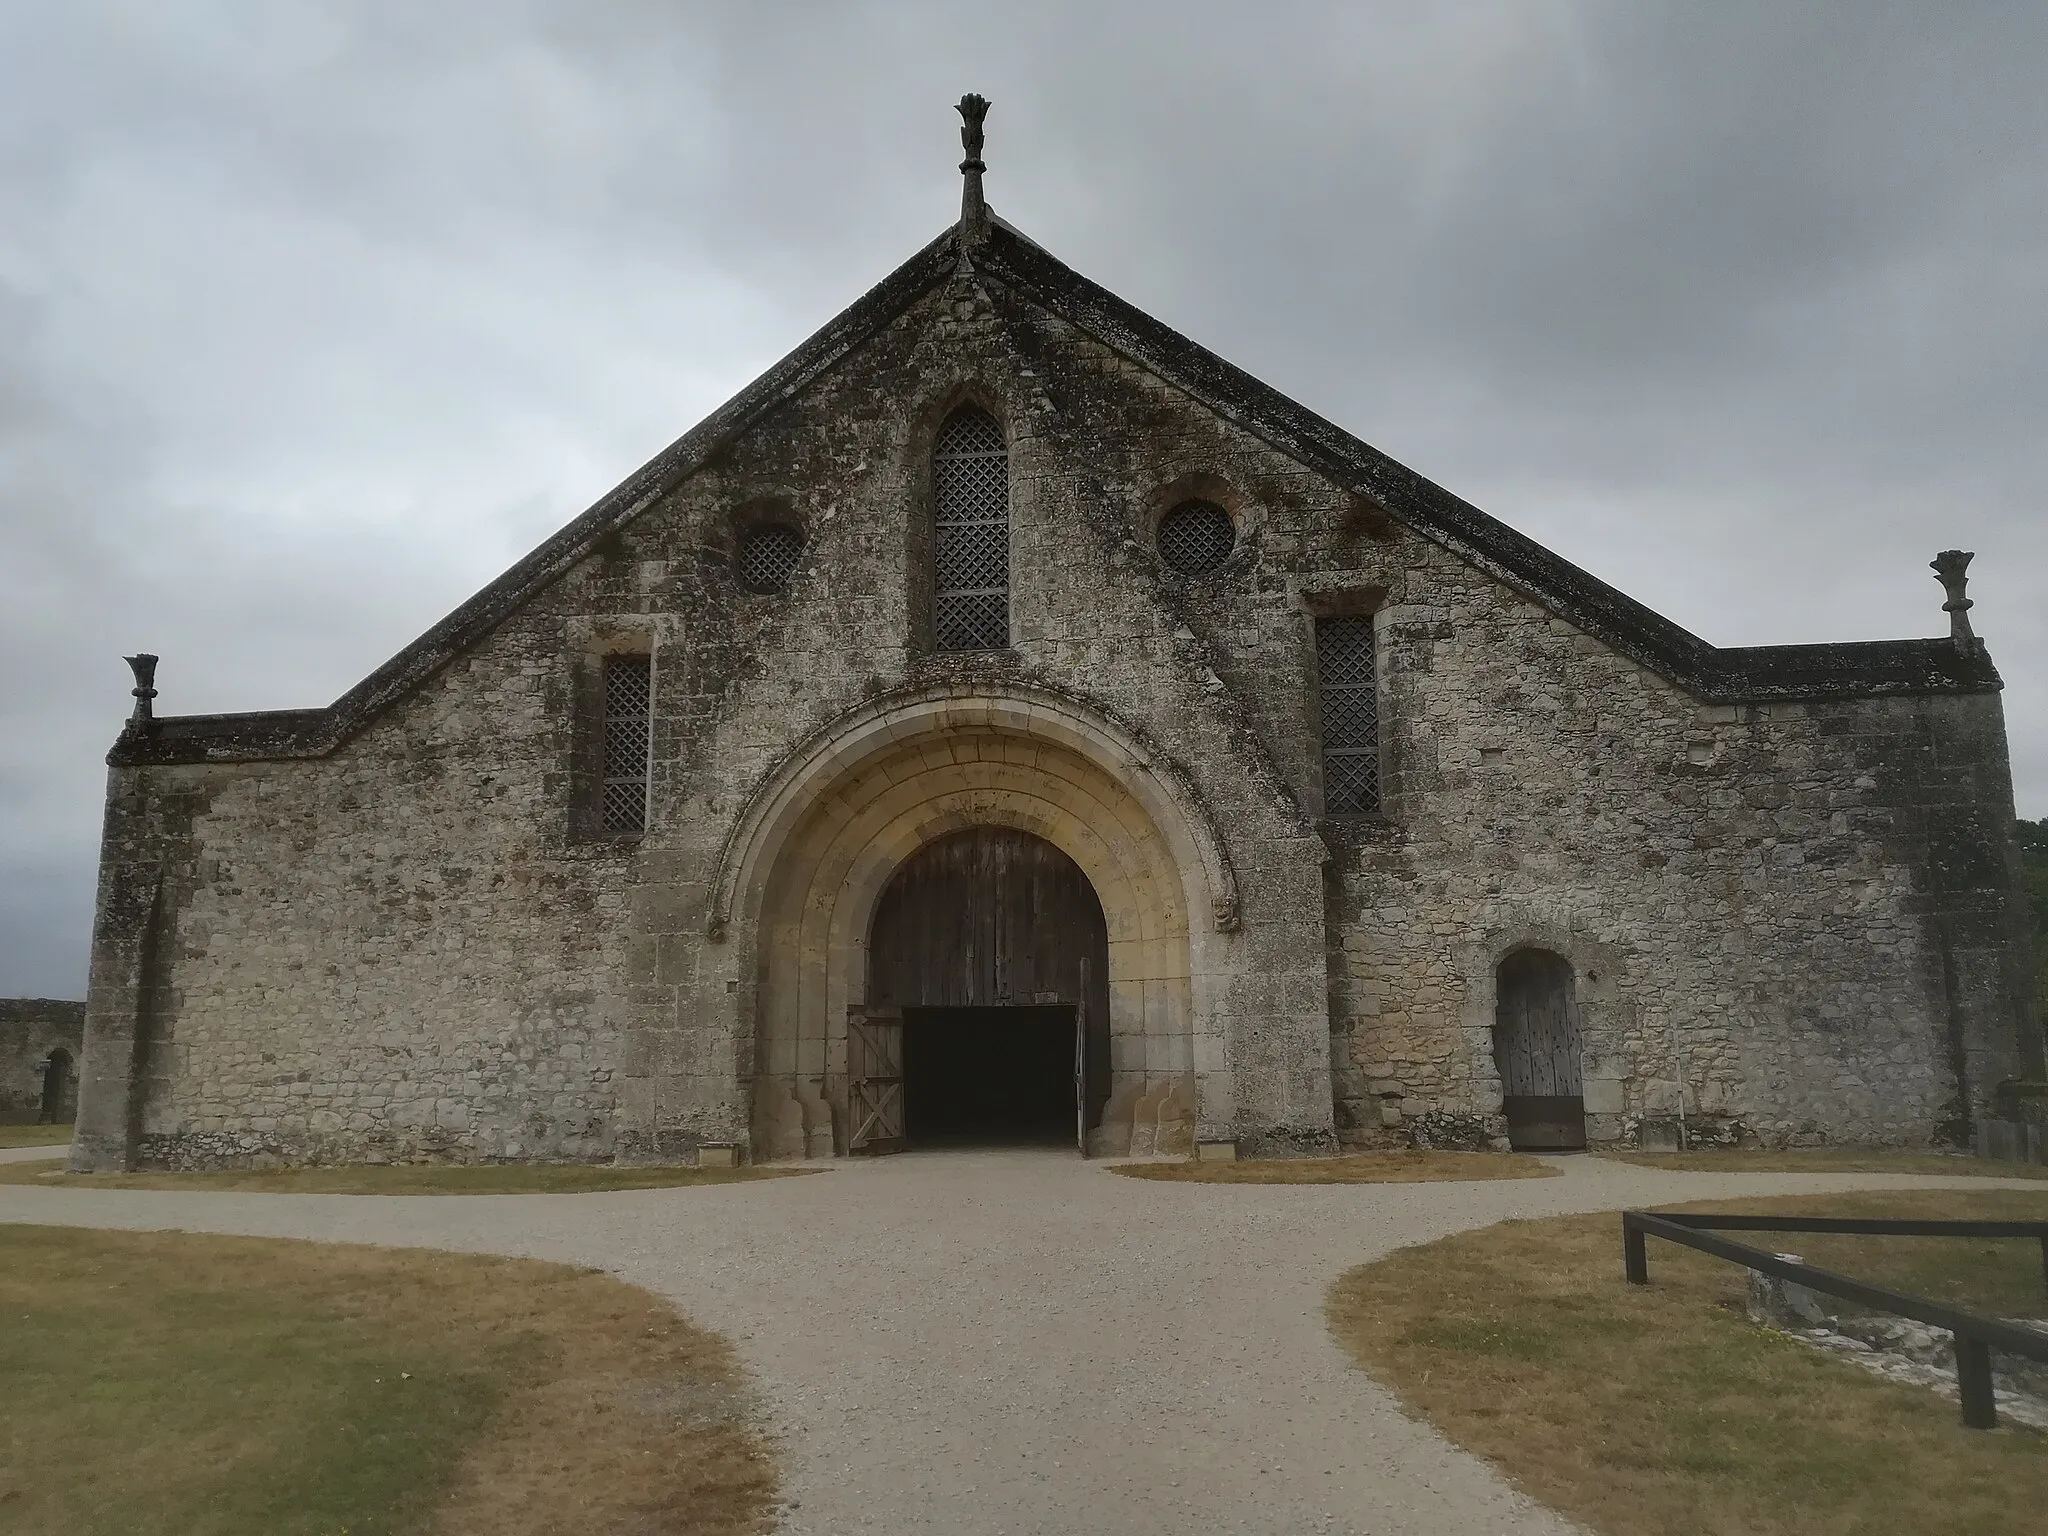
[[165, 1384], [401, 1178], [1357, 1168], [1830, 1160], [34, 1135], [1661, 1411]]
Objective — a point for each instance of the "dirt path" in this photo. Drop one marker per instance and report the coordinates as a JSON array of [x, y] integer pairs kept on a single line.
[[975, 1343]]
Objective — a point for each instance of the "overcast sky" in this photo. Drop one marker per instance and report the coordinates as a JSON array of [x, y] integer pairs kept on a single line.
[[313, 317]]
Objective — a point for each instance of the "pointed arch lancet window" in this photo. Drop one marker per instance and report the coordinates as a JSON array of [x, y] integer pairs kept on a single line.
[[971, 539]]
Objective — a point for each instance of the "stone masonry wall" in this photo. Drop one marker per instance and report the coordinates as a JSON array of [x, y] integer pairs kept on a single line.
[[396, 952], [30, 1028], [1748, 893], [414, 947]]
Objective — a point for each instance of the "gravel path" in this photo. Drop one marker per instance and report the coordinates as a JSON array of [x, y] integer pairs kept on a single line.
[[976, 1343]]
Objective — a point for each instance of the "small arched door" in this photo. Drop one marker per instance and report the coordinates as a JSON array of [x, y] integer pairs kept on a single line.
[[992, 944], [1536, 1045], [60, 1089]]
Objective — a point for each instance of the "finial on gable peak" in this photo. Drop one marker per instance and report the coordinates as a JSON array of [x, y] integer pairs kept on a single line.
[[973, 207]]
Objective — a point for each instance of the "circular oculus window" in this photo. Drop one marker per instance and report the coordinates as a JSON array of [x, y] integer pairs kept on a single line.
[[1196, 537], [768, 557]]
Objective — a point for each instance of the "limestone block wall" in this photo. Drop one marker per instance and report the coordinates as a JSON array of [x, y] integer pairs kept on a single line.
[[1767, 906], [30, 1029], [393, 952], [1092, 445], [1785, 916]]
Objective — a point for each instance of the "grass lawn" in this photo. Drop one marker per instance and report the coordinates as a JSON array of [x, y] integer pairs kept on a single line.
[[1831, 1160], [401, 1178], [34, 1135], [1359, 1168], [1661, 1411], [164, 1384]]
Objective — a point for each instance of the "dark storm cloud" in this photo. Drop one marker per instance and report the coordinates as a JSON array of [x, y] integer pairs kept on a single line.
[[313, 317]]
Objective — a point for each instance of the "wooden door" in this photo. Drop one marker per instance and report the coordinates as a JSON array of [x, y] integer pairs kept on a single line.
[[990, 917], [874, 1080], [1081, 1064], [1536, 1044]]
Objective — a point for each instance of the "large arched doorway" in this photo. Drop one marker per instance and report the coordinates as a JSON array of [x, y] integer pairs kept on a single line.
[[811, 859], [992, 943], [1536, 1045]]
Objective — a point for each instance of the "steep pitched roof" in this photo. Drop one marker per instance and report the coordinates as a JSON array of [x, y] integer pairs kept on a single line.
[[1711, 673]]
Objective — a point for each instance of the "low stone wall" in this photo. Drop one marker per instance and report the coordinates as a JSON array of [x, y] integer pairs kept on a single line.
[[30, 1029]]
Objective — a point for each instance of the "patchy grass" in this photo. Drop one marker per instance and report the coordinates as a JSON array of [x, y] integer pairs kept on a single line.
[[1831, 1160], [1358, 1168], [34, 1135], [401, 1178], [1661, 1411], [165, 1384]]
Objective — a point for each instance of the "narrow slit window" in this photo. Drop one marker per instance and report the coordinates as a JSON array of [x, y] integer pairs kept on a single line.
[[971, 539], [628, 692], [1351, 715]]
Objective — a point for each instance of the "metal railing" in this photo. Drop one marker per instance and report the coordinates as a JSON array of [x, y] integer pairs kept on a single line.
[[1975, 1336]]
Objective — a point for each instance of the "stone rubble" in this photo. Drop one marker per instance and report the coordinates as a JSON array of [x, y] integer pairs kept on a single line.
[[1899, 1349]]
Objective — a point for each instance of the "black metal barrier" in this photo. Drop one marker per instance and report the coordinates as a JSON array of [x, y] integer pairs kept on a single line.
[[1975, 1337]]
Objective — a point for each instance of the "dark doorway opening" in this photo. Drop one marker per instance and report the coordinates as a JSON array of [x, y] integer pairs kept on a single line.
[[1536, 1045], [60, 1089], [989, 1075]]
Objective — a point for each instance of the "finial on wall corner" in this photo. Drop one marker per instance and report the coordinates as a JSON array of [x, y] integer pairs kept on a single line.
[[1953, 567], [973, 207], [144, 668]]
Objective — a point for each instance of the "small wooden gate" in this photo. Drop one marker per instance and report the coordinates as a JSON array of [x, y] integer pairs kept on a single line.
[[1536, 1043], [874, 1080]]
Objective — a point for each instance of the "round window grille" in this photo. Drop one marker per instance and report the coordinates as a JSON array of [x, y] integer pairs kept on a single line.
[[768, 557], [1196, 536]]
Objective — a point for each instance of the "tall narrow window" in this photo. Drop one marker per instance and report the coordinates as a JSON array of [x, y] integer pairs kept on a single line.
[[971, 545], [1351, 715], [627, 694]]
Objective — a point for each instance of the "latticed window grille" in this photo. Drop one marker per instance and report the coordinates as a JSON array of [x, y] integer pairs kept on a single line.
[[971, 537], [628, 692], [1351, 715], [1196, 537], [769, 556]]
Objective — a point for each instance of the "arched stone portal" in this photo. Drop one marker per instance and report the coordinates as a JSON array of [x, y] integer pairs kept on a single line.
[[818, 846]]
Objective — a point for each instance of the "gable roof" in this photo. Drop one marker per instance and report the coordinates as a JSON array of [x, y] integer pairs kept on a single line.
[[1711, 673]]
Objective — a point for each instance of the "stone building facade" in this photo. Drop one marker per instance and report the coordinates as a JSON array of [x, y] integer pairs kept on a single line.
[[40, 1040], [594, 867]]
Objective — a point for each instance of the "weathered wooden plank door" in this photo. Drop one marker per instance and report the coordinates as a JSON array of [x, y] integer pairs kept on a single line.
[[1536, 1044], [991, 917], [874, 1080]]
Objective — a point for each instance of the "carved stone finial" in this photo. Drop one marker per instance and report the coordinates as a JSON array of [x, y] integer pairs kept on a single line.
[[973, 208], [144, 668], [1953, 567]]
